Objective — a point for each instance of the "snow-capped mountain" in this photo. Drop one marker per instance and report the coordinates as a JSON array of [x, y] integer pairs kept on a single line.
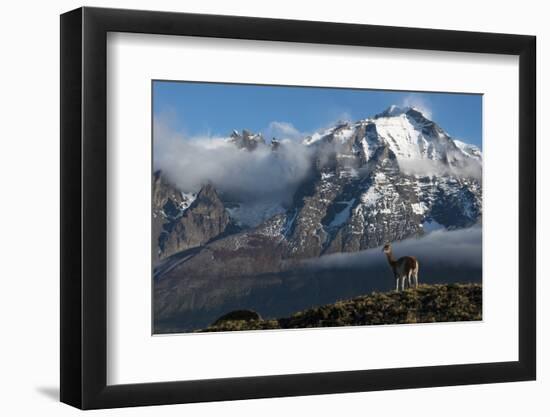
[[411, 137], [382, 179], [377, 180]]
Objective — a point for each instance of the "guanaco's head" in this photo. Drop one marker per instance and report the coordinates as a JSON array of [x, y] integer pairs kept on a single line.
[[386, 248]]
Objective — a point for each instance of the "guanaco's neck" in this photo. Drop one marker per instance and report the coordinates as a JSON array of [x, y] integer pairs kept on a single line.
[[391, 259]]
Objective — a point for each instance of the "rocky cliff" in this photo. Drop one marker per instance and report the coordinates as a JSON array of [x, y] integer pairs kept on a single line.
[[183, 221]]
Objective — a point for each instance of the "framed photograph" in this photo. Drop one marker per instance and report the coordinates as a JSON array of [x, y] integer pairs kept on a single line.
[[258, 208]]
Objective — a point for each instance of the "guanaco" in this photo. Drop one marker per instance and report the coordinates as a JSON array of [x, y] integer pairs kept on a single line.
[[404, 268]]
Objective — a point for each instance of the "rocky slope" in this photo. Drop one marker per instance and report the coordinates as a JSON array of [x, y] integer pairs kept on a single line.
[[427, 304], [182, 221], [381, 180], [168, 203]]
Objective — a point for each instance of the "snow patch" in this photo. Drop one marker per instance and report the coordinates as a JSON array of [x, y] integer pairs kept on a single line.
[[370, 197], [468, 150], [380, 176], [317, 136], [187, 200], [274, 227], [344, 134], [349, 173], [401, 136], [419, 208]]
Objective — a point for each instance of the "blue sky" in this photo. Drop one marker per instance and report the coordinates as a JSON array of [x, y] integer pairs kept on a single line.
[[215, 109]]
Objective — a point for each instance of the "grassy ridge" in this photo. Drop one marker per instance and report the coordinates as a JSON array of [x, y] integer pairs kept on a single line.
[[426, 304]]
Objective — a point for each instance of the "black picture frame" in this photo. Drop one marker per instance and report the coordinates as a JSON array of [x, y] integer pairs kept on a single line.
[[84, 207]]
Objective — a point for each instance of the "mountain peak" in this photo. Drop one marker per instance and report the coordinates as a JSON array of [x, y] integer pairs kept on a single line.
[[246, 140], [394, 111], [208, 191]]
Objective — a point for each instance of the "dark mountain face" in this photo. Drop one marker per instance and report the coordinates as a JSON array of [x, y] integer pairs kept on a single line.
[[378, 180], [182, 222], [167, 206]]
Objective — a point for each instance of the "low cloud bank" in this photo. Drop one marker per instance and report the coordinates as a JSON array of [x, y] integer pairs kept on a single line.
[[440, 248], [190, 162], [469, 168]]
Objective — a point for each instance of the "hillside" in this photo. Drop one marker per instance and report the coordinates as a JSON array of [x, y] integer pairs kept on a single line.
[[426, 304]]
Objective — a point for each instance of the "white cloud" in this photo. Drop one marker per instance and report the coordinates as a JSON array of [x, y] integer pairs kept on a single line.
[[241, 175], [419, 103], [468, 167], [342, 117], [452, 248], [282, 130]]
